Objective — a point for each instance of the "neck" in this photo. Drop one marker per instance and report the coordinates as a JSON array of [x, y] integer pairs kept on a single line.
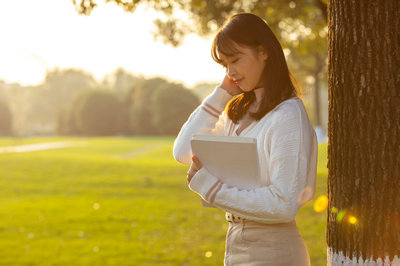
[[259, 92]]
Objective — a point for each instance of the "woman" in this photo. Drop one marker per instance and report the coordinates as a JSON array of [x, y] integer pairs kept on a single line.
[[261, 102]]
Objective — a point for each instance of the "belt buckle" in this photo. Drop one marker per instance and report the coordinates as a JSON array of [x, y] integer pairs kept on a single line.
[[233, 218]]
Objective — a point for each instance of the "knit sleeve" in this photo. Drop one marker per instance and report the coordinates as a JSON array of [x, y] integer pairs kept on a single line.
[[288, 169], [208, 118]]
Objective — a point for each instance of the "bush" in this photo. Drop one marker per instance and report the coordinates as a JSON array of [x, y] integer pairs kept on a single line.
[[151, 107], [141, 109], [5, 119], [66, 121], [95, 113], [172, 106]]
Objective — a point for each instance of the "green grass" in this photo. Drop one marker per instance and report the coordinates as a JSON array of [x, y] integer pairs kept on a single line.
[[117, 201]]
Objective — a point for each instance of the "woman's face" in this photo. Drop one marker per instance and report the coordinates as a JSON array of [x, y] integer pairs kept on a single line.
[[245, 67]]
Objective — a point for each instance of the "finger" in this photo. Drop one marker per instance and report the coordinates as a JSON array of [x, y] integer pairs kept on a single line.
[[197, 162], [192, 171], [188, 179], [192, 167]]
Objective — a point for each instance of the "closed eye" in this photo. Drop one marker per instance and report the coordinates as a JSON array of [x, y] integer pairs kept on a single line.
[[234, 61]]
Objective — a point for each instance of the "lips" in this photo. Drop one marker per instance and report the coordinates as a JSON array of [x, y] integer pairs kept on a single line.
[[237, 81]]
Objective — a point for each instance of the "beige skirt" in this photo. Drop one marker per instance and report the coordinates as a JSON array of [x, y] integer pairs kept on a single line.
[[254, 244]]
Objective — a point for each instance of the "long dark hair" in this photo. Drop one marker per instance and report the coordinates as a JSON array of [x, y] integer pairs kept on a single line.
[[279, 84]]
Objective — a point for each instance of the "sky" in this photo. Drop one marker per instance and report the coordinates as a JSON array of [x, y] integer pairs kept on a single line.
[[41, 35]]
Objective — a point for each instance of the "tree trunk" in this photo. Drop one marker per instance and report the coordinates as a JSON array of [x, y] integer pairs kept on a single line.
[[317, 106], [317, 84], [364, 132]]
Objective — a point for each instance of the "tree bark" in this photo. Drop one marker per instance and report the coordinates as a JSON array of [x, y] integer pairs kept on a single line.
[[317, 84], [317, 105], [364, 132]]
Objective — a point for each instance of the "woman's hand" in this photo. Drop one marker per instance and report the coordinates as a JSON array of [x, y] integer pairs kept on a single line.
[[194, 167], [230, 86]]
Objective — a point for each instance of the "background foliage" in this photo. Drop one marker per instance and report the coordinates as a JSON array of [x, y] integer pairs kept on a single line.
[[71, 102], [5, 119]]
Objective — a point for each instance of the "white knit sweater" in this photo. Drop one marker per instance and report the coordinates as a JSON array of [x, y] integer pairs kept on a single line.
[[287, 147]]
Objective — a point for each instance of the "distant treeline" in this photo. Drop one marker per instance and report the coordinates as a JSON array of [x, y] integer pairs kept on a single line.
[[71, 102], [154, 107], [5, 119]]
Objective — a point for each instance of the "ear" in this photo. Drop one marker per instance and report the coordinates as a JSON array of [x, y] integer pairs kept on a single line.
[[262, 52]]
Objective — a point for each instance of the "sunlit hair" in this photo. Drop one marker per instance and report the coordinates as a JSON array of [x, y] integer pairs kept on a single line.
[[279, 84]]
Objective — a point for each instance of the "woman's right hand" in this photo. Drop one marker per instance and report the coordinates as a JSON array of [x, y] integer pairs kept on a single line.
[[194, 167], [228, 85]]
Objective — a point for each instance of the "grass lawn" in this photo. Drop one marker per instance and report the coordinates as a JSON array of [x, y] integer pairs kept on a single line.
[[117, 201]]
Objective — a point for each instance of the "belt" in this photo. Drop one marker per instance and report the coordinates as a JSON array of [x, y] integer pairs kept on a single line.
[[233, 218]]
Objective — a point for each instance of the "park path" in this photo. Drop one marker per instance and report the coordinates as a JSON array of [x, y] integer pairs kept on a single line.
[[38, 147], [141, 151], [58, 145]]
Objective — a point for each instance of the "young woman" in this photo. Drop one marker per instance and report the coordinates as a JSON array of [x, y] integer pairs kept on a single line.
[[256, 99]]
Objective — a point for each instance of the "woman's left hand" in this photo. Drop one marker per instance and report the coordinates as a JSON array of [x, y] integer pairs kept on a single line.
[[194, 167]]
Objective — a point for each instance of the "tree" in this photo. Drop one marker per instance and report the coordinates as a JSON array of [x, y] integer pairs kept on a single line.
[[57, 92], [141, 112], [364, 133], [5, 119], [120, 80], [300, 25], [203, 89], [97, 113], [67, 119], [205, 16], [172, 106]]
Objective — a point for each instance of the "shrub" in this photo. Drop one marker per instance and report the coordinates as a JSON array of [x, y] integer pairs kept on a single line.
[[5, 119], [172, 106], [96, 113]]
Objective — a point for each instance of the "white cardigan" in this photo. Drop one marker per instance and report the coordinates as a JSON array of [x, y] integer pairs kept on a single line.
[[287, 147]]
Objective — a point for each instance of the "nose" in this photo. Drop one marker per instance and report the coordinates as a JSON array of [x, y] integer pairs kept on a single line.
[[230, 71]]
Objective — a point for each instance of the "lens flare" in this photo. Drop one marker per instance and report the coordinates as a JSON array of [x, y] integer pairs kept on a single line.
[[340, 215], [321, 203], [352, 220]]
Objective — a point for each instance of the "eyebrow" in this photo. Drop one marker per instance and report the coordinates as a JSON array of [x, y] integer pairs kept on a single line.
[[230, 55]]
